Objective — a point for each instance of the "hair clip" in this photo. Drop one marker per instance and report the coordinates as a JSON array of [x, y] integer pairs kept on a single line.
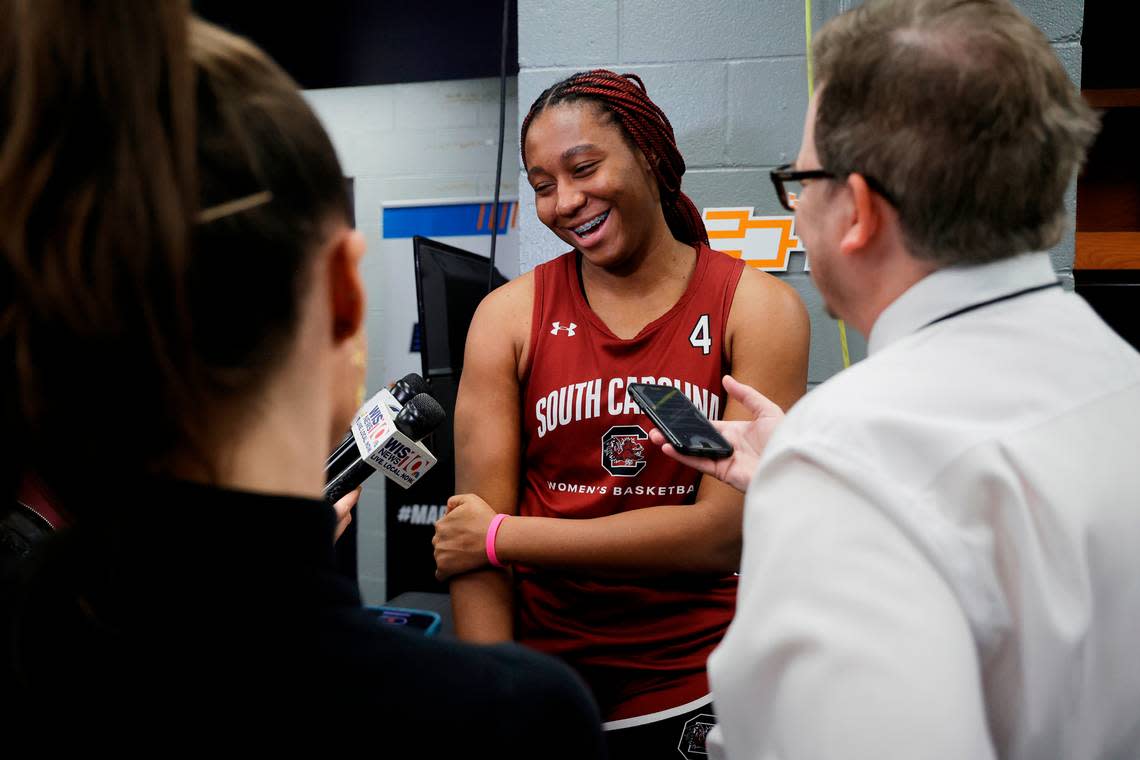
[[236, 206]]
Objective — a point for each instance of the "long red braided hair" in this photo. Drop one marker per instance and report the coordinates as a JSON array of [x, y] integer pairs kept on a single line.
[[624, 98]]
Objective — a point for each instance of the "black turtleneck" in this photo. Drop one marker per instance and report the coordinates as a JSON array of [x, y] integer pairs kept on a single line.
[[195, 608]]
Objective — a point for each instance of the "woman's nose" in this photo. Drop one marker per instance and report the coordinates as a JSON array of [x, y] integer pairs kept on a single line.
[[570, 200]]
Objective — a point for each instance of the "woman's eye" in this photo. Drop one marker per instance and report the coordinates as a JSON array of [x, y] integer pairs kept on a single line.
[[583, 169], [542, 189]]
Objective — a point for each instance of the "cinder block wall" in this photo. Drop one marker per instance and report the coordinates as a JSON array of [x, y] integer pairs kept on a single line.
[[731, 75], [428, 140]]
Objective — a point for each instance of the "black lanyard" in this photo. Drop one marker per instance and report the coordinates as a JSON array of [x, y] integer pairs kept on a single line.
[[992, 301]]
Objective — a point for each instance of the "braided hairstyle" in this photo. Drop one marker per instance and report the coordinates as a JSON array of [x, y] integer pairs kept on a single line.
[[644, 124]]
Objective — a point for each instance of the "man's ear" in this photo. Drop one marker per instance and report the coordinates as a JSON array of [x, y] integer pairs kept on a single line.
[[865, 216], [346, 297]]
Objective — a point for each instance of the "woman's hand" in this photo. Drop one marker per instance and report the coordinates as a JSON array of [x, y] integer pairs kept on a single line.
[[343, 509], [748, 438], [461, 535]]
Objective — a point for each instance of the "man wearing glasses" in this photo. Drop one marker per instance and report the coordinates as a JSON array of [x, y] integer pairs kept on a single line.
[[942, 543]]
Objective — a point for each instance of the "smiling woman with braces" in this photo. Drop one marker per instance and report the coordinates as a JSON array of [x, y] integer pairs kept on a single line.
[[615, 559]]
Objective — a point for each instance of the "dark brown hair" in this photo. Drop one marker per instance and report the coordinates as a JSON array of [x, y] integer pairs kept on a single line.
[[126, 314], [961, 109], [624, 99]]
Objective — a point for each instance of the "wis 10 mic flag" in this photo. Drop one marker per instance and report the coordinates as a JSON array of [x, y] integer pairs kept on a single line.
[[386, 436]]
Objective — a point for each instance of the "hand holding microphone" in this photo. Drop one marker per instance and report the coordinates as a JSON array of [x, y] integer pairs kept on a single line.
[[343, 508], [386, 435], [401, 392]]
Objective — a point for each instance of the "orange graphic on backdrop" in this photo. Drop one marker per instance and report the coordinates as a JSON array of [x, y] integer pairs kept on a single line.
[[727, 225], [510, 215]]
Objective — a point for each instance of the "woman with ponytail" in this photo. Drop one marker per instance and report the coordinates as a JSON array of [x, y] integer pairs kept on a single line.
[[181, 317], [610, 555]]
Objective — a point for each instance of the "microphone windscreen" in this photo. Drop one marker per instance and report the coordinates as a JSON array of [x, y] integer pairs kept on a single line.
[[421, 415], [409, 386]]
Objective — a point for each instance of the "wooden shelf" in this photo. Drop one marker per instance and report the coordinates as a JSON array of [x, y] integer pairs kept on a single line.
[[1107, 250], [1121, 98]]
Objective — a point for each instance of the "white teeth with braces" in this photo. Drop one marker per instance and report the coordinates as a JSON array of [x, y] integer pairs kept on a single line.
[[591, 224]]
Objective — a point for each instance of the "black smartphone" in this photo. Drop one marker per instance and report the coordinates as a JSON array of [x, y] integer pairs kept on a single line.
[[425, 621], [681, 422]]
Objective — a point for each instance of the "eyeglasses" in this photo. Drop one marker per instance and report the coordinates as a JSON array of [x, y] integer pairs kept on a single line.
[[783, 176]]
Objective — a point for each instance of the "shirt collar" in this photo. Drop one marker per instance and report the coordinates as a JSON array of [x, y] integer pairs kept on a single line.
[[947, 290]]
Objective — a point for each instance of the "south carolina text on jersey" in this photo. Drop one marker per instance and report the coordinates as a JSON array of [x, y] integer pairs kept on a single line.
[[583, 401]]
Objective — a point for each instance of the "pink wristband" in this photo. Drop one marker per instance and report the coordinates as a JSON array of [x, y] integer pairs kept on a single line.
[[492, 531]]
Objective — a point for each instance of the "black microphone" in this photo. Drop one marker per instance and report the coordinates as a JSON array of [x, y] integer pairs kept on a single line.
[[402, 461], [401, 392], [420, 416], [408, 387]]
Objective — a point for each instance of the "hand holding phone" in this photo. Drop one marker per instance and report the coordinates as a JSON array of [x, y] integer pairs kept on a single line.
[[684, 426], [748, 437]]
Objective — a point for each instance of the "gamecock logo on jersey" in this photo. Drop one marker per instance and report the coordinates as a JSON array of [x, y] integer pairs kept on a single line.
[[694, 736], [623, 453]]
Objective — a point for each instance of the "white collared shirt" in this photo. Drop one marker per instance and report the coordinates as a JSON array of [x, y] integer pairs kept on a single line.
[[942, 543]]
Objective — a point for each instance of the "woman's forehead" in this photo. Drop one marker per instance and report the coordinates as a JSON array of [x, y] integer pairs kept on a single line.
[[576, 122]]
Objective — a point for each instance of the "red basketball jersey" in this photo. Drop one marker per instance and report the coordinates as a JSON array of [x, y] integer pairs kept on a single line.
[[641, 643]]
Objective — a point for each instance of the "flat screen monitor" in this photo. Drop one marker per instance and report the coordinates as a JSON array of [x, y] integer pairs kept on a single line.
[[450, 283]]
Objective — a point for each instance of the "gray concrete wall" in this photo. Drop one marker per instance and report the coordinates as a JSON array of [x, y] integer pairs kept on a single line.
[[731, 75], [430, 140]]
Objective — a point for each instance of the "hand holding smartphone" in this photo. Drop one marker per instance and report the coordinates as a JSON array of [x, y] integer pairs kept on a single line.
[[680, 421]]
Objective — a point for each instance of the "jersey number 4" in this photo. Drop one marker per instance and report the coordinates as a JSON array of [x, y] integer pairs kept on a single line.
[[700, 337]]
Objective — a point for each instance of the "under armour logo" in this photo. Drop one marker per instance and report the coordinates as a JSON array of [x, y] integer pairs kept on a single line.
[[556, 326]]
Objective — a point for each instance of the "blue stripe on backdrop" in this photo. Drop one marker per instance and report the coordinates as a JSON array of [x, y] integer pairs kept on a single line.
[[448, 220]]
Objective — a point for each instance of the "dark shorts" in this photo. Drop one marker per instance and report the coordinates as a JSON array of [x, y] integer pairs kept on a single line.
[[662, 735]]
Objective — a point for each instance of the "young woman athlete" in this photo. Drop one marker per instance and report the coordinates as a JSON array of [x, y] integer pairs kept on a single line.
[[619, 560]]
